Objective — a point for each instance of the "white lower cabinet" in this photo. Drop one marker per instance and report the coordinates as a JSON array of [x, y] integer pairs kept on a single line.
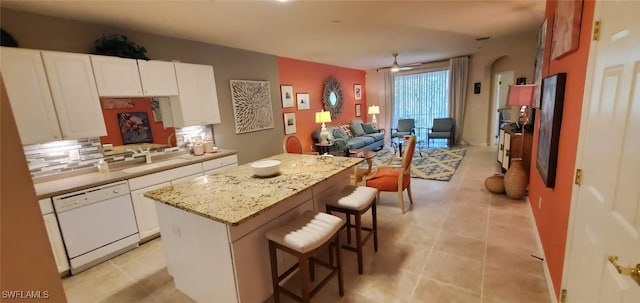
[[145, 210], [55, 238], [219, 164]]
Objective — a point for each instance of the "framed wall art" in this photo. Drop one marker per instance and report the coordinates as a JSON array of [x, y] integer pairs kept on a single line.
[[289, 123], [303, 101], [134, 127], [286, 92], [537, 74], [357, 91], [358, 110], [251, 105], [549, 131], [566, 28]]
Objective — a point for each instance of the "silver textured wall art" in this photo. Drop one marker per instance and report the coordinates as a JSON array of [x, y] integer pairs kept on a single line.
[[251, 105]]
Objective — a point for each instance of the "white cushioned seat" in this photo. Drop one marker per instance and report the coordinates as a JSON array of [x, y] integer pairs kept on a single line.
[[353, 197], [307, 232]]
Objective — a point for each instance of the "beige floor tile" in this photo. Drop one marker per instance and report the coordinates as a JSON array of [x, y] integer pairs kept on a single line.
[[96, 283], [395, 287], [429, 290], [460, 246], [469, 227], [507, 286], [459, 271], [512, 258]]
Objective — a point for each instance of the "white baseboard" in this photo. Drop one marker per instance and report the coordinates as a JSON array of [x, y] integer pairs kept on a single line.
[[547, 273]]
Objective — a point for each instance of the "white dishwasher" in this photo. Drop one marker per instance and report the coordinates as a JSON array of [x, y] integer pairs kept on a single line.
[[96, 224]]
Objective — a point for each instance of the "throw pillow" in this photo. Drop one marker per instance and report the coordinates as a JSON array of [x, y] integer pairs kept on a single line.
[[369, 128], [339, 133], [356, 128], [347, 129]]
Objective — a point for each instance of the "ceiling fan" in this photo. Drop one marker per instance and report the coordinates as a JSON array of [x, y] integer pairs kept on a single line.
[[395, 67]]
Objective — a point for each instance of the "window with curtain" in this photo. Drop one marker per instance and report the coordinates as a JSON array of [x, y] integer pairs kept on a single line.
[[422, 96]]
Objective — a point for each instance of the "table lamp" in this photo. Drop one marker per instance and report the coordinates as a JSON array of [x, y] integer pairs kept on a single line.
[[373, 110], [323, 117], [521, 95]]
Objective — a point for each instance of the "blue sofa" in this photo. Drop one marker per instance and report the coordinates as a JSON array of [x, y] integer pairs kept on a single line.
[[357, 135]]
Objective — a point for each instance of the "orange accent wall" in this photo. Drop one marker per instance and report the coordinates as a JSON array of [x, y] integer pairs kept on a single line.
[[308, 77], [160, 135], [552, 218]]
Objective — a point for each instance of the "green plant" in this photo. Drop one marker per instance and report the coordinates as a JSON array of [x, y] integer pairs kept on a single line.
[[120, 46]]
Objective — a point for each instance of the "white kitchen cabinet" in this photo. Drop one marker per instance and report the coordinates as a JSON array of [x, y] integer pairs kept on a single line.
[[55, 238], [122, 77], [145, 210], [197, 102], [75, 95], [29, 95], [158, 78], [219, 164], [185, 179], [116, 77]]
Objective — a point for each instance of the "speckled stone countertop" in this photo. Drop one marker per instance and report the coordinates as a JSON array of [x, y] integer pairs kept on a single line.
[[236, 195], [91, 177]]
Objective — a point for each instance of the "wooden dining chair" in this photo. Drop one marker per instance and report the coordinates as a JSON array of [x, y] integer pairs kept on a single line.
[[394, 177], [291, 144]]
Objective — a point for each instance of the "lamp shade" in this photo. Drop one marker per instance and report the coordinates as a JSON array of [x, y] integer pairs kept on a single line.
[[373, 110], [521, 95], [322, 117]]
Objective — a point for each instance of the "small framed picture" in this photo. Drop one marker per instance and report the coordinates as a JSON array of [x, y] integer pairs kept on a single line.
[[358, 110], [289, 123], [357, 91], [303, 101], [287, 95]]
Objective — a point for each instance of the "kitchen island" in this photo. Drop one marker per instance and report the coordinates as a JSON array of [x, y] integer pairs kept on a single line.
[[213, 228]]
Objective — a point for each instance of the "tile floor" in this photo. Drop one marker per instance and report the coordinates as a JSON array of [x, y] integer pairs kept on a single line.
[[458, 243]]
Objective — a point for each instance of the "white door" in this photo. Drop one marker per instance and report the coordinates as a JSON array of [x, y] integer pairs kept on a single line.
[[145, 210], [606, 207]]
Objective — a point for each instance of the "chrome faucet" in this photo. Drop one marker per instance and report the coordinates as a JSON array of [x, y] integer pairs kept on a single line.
[[147, 154], [140, 151]]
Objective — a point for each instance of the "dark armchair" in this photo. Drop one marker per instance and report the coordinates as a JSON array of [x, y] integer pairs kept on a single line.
[[406, 127], [443, 128]]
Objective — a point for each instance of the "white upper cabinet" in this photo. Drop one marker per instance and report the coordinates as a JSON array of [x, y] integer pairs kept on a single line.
[[29, 95], [74, 93], [197, 103], [121, 77], [158, 78], [116, 77]]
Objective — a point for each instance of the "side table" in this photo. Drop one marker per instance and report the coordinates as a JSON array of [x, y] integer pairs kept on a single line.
[[323, 148]]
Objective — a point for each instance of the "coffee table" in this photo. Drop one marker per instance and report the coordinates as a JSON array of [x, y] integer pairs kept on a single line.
[[396, 143], [359, 173]]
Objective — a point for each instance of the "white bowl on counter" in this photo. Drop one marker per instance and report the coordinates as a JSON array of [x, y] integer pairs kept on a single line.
[[265, 168]]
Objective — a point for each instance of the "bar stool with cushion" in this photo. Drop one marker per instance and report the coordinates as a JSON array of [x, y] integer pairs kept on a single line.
[[303, 238], [355, 201]]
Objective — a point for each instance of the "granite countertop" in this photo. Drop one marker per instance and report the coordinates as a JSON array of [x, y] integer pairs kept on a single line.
[[52, 186], [236, 195]]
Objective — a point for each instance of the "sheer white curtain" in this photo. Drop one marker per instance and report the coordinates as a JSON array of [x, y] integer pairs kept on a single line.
[[458, 78], [388, 92]]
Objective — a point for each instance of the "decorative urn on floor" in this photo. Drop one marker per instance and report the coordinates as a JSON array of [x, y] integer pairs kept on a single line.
[[516, 180]]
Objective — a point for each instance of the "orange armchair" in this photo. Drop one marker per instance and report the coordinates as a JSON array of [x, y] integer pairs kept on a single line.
[[395, 177]]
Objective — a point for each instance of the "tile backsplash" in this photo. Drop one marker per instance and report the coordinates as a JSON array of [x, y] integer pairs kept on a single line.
[[64, 156]]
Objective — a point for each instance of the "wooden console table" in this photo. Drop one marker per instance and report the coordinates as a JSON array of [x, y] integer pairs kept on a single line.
[[509, 148]]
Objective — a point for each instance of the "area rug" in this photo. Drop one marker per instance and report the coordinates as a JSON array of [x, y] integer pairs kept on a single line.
[[434, 164]]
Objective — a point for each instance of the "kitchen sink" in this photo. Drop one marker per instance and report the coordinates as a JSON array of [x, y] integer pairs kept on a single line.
[[145, 167]]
